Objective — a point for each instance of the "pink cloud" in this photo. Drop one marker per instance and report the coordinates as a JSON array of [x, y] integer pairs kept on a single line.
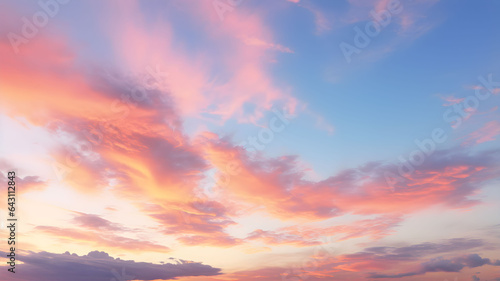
[[487, 133], [362, 190], [451, 100], [100, 266]]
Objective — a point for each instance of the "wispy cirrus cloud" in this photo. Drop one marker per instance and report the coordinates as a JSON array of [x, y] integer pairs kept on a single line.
[[95, 222], [488, 132]]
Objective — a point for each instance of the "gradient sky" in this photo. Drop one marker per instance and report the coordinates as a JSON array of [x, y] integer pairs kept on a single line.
[[245, 140]]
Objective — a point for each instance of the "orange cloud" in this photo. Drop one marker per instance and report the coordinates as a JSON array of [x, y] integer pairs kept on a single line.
[[362, 190]]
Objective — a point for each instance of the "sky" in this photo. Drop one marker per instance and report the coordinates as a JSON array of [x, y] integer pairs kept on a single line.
[[224, 140]]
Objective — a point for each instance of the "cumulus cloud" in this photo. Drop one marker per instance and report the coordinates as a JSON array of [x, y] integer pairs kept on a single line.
[[196, 222], [439, 264], [473, 260], [99, 266], [24, 184], [360, 265]]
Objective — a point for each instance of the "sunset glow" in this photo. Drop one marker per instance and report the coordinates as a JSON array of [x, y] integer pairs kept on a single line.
[[238, 140]]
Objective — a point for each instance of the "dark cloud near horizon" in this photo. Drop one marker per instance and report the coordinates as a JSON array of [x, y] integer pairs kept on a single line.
[[413, 252], [99, 266], [443, 265], [417, 252]]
